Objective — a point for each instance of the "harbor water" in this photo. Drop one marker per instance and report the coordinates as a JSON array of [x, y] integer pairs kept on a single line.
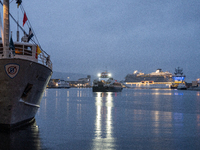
[[77, 118]]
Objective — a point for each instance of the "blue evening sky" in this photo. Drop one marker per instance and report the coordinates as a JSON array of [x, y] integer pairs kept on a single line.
[[90, 36]]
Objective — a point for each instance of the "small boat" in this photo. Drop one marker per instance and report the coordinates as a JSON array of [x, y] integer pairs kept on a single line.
[[195, 86], [181, 86], [57, 83], [25, 70], [105, 83]]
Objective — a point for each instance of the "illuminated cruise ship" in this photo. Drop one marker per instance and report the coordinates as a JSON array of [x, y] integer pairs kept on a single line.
[[158, 79]]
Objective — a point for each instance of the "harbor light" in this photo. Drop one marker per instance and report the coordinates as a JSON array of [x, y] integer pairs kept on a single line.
[[99, 74], [109, 75]]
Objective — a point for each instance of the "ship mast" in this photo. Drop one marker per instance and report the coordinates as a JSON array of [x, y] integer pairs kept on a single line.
[[6, 51]]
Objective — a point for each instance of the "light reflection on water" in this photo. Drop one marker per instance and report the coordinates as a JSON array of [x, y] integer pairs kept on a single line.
[[155, 116], [131, 119], [103, 116]]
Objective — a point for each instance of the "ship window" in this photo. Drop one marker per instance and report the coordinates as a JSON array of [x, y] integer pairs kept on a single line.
[[23, 50], [19, 49], [27, 50]]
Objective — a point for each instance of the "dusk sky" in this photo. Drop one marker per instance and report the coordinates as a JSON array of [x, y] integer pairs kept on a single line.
[[120, 36]]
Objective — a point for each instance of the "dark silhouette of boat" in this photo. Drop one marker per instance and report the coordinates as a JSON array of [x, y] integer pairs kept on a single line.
[[105, 83]]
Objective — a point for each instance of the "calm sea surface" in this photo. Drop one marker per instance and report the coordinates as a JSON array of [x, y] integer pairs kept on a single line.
[[132, 119]]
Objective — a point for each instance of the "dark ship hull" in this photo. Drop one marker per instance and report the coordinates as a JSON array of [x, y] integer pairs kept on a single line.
[[107, 89], [21, 90], [111, 88]]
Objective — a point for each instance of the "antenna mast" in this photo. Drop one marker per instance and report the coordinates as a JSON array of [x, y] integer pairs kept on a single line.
[[6, 52], [18, 27]]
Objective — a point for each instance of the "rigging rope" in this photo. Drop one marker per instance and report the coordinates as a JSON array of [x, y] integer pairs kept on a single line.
[[11, 1], [28, 26]]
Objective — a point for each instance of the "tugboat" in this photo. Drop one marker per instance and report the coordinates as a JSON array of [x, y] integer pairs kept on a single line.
[[105, 83], [25, 70], [178, 79]]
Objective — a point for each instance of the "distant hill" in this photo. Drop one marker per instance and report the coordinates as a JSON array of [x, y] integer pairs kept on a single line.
[[69, 76]]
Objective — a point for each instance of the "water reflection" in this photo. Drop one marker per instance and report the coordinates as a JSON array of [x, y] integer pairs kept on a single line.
[[20, 139], [104, 123], [176, 93], [132, 119]]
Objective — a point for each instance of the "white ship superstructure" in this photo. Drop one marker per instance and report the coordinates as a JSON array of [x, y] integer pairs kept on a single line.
[[157, 79]]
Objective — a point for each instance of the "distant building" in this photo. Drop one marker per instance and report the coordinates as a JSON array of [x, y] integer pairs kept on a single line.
[[82, 82], [53, 83], [57, 83]]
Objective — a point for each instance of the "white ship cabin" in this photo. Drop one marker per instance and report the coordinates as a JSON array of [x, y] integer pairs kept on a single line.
[[138, 73], [29, 51], [104, 76], [160, 72]]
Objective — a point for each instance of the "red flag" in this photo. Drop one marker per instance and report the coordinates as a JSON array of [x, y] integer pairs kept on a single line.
[[25, 18]]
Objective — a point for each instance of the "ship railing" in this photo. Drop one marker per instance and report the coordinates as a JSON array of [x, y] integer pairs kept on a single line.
[[23, 50], [44, 59], [28, 51]]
